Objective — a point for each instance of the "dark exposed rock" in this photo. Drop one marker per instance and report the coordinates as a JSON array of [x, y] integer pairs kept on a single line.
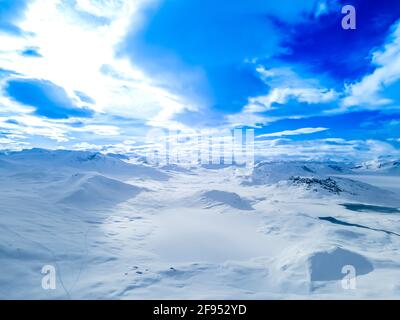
[[312, 183]]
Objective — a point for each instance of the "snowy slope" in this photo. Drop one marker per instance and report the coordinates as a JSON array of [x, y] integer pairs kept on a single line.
[[344, 188], [40, 159], [212, 198], [114, 230], [316, 179], [380, 166], [83, 190], [273, 172]]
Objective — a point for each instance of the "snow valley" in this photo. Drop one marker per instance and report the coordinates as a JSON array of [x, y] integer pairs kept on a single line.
[[115, 227]]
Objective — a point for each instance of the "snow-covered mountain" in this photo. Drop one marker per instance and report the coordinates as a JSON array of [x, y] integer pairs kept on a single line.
[[273, 172], [45, 160], [320, 179], [120, 230], [380, 166], [344, 188], [88, 191]]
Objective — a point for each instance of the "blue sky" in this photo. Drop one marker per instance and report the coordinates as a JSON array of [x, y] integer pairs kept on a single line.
[[97, 74]]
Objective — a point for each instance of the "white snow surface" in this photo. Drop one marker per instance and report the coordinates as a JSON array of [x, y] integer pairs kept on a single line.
[[117, 230]]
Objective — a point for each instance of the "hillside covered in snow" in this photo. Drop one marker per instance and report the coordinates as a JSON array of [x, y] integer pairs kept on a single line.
[[115, 228]]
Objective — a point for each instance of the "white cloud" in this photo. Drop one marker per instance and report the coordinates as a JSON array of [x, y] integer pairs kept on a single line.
[[324, 149], [60, 131], [87, 146], [292, 132], [26, 126], [75, 53], [103, 8], [99, 130], [366, 93], [12, 144], [282, 95], [247, 119], [285, 85]]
